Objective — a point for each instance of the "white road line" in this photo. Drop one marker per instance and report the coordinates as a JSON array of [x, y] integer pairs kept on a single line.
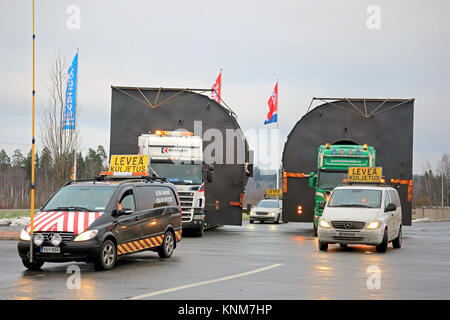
[[196, 284]]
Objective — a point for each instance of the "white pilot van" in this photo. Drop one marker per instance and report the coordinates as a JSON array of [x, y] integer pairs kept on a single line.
[[361, 214]]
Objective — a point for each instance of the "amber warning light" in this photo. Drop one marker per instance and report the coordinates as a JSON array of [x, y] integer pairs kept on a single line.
[[299, 210]]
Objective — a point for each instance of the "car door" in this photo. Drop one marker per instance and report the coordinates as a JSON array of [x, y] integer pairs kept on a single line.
[[397, 214], [150, 216], [388, 215], [166, 198], [127, 227]]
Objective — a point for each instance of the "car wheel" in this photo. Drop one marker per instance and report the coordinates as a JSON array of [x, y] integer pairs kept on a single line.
[[166, 249], [323, 246], [251, 221], [397, 242], [107, 256], [262, 221], [382, 247], [278, 219], [35, 265]]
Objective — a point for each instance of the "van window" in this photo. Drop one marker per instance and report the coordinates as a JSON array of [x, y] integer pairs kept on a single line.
[[145, 197], [394, 197], [164, 197], [127, 200], [386, 199]]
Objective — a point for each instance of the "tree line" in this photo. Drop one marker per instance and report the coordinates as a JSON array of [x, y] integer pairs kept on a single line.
[[15, 174]]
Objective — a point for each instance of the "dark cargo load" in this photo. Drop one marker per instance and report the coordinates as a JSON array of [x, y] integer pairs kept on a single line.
[[386, 124], [135, 111]]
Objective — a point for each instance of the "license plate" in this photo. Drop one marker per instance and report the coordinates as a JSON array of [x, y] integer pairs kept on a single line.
[[50, 249], [347, 234]]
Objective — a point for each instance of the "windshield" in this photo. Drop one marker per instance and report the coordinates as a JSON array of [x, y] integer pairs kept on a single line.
[[362, 198], [73, 198], [179, 173], [331, 179], [267, 204]]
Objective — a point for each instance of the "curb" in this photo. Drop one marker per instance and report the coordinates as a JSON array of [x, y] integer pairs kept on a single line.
[[9, 235]]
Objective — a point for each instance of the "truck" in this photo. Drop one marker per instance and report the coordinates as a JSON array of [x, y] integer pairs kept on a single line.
[[178, 157], [333, 162]]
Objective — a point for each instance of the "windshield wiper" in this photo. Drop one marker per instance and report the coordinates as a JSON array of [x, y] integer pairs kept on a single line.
[[353, 205], [70, 208]]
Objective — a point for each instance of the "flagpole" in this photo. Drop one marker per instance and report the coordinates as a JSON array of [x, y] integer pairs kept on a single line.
[[75, 117], [278, 119], [32, 149]]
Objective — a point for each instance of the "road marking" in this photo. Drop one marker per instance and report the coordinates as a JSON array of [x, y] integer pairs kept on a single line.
[[196, 284]]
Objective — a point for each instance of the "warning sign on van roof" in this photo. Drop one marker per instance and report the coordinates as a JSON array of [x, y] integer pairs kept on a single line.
[[365, 175], [128, 163]]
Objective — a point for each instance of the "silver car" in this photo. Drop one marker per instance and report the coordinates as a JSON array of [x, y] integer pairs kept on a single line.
[[267, 210]]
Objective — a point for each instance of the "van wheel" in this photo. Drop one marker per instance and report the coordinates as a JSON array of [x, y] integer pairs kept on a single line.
[[397, 242], [107, 256], [166, 249], [323, 246], [35, 265], [382, 247], [278, 219]]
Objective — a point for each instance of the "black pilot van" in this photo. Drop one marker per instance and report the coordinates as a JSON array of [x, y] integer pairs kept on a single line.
[[103, 219]]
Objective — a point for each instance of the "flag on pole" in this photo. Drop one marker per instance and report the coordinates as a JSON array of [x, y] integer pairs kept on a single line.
[[217, 88], [273, 106], [71, 96]]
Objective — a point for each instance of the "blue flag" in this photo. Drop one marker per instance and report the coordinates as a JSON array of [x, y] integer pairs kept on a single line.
[[71, 96]]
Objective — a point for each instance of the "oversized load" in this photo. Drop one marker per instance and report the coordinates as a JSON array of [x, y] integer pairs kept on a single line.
[[140, 111], [385, 124]]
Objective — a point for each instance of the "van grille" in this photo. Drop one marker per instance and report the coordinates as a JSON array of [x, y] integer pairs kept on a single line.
[[66, 236], [348, 225]]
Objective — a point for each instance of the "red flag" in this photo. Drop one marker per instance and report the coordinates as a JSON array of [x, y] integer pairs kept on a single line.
[[217, 87], [273, 106]]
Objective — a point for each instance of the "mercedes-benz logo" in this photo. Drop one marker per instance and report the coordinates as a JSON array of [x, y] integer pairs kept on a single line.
[[347, 225], [50, 236]]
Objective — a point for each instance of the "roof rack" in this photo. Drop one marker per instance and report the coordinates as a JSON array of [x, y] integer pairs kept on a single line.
[[104, 177]]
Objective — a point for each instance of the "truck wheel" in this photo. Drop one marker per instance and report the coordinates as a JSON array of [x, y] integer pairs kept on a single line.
[[323, 246], [107, 256], [343, 245], [35, 265], [199, 233], [166, 249], [397, 242], [382, 247]]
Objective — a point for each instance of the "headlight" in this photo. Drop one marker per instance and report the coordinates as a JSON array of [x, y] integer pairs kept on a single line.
[[252, 213], [38, 239], [272, 214], [87, 235], [56, 239], [24, 235], [324, 223], [374, 224]]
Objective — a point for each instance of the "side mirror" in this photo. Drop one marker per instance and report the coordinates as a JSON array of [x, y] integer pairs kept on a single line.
[[122, 212], [249, 169], [321, 205], [390, 207], [311, 182]]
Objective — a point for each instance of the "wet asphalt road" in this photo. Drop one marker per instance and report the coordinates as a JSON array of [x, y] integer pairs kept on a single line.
[[255, 261]]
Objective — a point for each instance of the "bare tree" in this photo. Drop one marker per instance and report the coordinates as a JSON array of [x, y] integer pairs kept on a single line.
[[61, 142]]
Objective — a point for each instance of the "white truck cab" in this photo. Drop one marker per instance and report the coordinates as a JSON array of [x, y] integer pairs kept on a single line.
[[178, 156], [361, 214]]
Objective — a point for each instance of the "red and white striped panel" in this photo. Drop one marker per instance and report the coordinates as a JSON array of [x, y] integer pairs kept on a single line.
[[63, 221]]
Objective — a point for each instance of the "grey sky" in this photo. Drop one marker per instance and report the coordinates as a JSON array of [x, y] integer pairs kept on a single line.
[[315, 48]]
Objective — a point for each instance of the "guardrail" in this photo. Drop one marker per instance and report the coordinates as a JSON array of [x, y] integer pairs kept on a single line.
[[432, 213]]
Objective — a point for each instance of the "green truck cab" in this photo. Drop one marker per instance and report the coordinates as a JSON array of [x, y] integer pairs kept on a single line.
[[333, 162]]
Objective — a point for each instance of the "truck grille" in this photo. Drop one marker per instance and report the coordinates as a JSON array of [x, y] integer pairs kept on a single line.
[[348, 225], [66, 236], [187, 203]]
